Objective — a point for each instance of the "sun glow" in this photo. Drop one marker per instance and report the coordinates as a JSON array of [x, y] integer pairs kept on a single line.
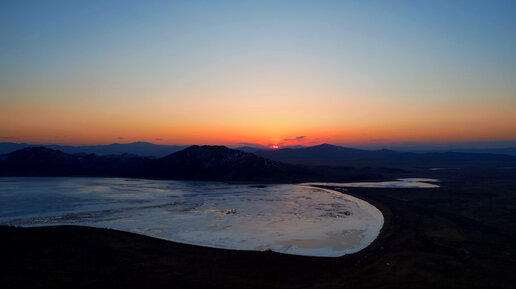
[[275, 147], [310, 79]]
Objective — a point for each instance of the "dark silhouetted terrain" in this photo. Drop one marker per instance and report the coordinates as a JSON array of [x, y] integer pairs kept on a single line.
[[219, 163], [222, 163], [143, 149], [326, 153], [193, 163]]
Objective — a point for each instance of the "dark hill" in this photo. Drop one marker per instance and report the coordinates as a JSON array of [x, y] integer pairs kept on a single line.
[[143, 149], [41, 161], [331, 153], [222, 163], [219, 163], [326, 152], [214, 163]]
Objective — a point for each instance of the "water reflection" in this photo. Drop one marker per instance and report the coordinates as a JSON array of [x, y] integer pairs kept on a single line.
[[291, 219]]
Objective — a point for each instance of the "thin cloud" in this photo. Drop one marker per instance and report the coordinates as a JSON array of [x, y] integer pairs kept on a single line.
[[120, 137], [158, 139], [8, 137]]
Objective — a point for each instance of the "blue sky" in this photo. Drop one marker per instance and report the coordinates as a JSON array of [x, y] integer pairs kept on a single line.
[[264, 64]]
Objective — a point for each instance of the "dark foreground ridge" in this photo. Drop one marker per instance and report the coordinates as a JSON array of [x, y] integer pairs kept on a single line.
[[458, 236]]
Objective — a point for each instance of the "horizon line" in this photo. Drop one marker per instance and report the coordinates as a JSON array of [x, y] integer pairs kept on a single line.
[[442, 144]]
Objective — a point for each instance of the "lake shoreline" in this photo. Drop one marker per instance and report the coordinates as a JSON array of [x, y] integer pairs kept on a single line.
[[292, 219], [426, 242], [61, 244]]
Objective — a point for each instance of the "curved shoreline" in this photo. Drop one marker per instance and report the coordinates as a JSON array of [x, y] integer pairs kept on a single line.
[[291, 219], [80, 248], [429, 240], [360, 200], [383, 210]]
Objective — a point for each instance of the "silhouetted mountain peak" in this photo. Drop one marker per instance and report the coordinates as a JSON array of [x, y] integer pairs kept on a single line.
[[37, 153], [327, 153], [138, 143], [325, 145], [36, 149], [221, 163], [212, 153], [145, 149]]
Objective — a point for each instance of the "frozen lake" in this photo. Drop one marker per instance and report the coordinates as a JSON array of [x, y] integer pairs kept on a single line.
[[293, 219]]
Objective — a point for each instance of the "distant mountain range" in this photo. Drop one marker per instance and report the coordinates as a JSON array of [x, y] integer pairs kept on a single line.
[[144, 149], [217, 163], [326, 153], [356, 152]]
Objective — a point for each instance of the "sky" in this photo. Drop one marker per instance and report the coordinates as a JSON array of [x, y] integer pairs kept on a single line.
[[257, 72]]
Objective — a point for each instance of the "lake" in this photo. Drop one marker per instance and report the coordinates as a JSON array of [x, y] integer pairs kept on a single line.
[[292, 219]]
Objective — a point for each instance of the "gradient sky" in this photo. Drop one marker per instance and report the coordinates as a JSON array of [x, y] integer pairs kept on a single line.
[[284, 72]]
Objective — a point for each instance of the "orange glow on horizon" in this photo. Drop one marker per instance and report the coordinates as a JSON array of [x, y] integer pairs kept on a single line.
[[305, 120], [219, 74]]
